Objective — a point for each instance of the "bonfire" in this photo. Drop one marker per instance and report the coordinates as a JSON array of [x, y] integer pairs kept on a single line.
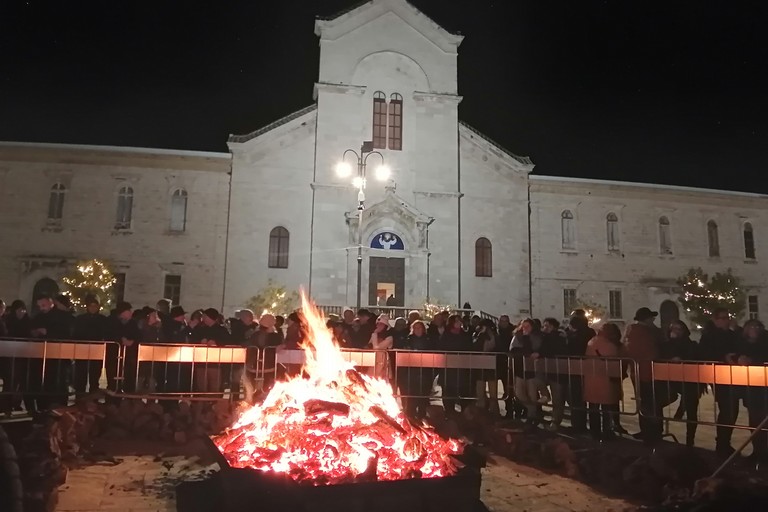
[[333, 424]]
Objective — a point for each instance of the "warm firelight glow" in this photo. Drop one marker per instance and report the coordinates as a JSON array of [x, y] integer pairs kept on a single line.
[[334, 425]]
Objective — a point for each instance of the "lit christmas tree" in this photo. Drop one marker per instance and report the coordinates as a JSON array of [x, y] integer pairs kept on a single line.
[[274, 299], [92, 277], [701, 295], [593, 311]]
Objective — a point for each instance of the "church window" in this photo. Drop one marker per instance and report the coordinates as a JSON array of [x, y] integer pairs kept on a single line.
[[612, 232], [278, 247], [56, 202], [396, 122], [569, 301], [179, 211], [483, 258], [665, 238], [568, 230], [172, 288], [713, 239], [124, 208], [749, 242], [379, 120]]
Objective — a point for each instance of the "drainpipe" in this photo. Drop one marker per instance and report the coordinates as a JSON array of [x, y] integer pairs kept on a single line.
[[312, 215], [226, 235], [429, 253], [458, 205], [530, 256]]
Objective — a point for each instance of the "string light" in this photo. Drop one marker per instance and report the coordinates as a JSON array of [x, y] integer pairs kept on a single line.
[[700, 296], [91, 277]]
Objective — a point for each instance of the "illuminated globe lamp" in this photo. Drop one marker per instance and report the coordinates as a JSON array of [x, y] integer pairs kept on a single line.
[[383, 173]]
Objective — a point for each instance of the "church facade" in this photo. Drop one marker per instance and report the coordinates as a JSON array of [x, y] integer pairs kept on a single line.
[[457, 218]]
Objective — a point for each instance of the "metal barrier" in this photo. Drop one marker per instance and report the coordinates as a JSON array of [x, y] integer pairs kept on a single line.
[[46, 373], [172, 371], [678, 391]]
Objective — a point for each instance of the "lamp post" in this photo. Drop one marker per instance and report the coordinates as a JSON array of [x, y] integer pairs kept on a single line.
[[344, 170]]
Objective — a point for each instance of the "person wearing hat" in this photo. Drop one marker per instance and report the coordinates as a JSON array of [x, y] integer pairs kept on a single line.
[[174, 377], [382, 340], [643, 345], [49, 324], [125, 331], [213, 333], [89, 326]]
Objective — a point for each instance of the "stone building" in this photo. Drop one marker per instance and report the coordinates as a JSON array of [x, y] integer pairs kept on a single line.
[[451, 222]]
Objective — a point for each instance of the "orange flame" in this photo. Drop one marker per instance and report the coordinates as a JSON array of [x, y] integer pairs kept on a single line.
[[334, 425]]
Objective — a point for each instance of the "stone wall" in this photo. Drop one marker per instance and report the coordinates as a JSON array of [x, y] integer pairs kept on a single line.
[[643, 273], [145, 252]]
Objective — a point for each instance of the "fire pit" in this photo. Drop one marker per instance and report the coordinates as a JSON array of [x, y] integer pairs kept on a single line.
[[336, 439], [246, 489]]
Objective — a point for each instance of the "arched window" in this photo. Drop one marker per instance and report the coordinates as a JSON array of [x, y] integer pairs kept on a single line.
[[179, 211], [568, 230], [749, 242], [665, 237], [278, 248], [612, 231], [483, 258], [56, 202], [396, 122], [124, 208], [713, 239], [379, 120]]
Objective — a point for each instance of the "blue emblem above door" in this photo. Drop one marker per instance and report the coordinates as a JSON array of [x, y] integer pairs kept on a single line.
[[387, 241]]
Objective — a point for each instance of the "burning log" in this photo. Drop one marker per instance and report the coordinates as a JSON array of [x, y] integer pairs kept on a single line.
[[383, 416], [315, 406], [356, 378]]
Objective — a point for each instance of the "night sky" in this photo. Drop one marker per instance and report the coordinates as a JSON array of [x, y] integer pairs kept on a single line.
[[664, 91]]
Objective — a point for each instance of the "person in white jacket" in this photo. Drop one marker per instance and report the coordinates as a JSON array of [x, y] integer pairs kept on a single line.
[[382, 340]]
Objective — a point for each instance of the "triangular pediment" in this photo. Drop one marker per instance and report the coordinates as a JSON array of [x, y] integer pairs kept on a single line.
[[391, 206], [342, 23], [391, 214]]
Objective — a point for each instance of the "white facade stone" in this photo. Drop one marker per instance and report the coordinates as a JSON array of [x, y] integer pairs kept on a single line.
[[33, 249], [449, 186]]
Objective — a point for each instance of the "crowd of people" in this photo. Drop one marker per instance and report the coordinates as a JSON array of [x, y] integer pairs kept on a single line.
[[524, 352]]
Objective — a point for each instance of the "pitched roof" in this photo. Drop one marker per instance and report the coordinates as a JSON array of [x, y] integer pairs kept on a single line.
[[524, 160], [271, 126], [358, 5]]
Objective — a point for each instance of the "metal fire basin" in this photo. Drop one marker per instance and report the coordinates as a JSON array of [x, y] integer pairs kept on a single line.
[[246, 490]]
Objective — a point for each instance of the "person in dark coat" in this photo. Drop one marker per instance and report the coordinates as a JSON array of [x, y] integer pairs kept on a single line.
[[89, 326], [415, 383], [455, 383], [752, 350], [124, 331], [679, 347], [51, 323], [554, 345], [577, 337], [211, 332], [176, 330], [719, 344]]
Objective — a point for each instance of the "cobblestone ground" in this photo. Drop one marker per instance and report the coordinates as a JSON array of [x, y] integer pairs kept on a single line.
[[146, 483]]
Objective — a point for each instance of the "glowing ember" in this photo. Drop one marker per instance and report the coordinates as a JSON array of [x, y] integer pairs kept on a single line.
[[334, 425]]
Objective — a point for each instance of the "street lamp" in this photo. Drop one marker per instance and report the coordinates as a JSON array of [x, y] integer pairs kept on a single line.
[[344, 170]]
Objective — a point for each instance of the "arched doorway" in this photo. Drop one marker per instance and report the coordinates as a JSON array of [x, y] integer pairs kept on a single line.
[[669, 312], [45, 286]]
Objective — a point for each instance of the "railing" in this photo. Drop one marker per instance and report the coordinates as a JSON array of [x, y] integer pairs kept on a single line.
[[400, 311], [44, 374]]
